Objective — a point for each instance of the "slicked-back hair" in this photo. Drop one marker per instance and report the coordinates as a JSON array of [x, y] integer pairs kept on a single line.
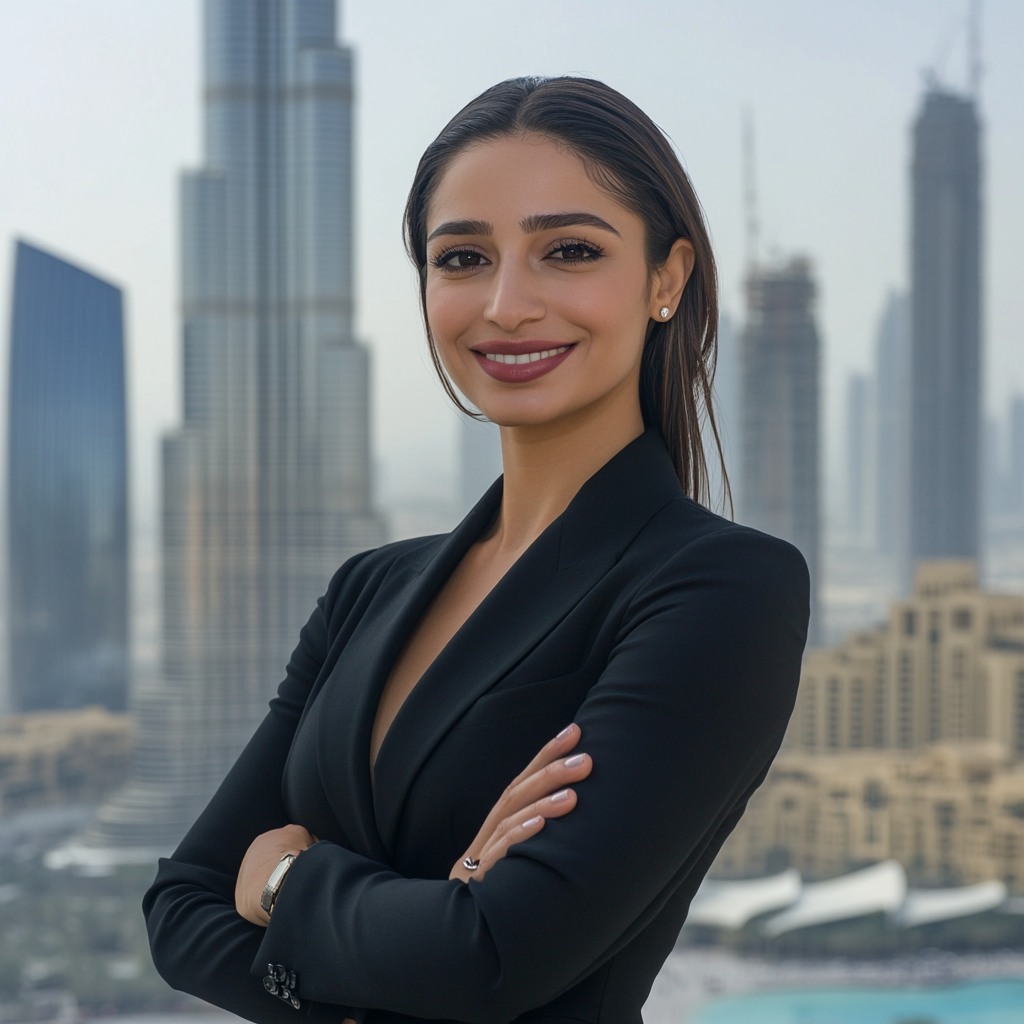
[[630, 157]]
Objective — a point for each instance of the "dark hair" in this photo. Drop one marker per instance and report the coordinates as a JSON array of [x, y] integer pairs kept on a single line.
[[628, 155]]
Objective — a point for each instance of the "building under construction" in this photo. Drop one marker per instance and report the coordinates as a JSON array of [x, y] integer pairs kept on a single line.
[[780, 371]]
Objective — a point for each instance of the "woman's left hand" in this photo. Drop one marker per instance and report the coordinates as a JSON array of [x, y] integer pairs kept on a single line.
[[536, 794], [263, 855]]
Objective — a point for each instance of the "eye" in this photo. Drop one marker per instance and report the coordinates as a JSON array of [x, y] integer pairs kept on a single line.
[[454, 260], [574, 251]]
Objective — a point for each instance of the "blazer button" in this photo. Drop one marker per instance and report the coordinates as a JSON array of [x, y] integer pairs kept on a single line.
[[282, 983]]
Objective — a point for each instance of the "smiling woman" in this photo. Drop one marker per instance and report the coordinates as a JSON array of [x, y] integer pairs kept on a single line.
[[403, 839]]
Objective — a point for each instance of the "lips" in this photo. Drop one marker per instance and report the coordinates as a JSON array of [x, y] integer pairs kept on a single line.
[[517, 363]]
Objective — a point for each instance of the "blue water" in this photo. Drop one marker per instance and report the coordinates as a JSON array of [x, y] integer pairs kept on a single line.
[[982, 1002]]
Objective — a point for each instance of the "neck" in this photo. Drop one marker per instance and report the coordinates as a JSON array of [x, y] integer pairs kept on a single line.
[[546, 464]]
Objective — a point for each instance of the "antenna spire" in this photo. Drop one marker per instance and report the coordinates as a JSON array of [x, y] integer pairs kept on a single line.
[[974, 69], [752, 222]]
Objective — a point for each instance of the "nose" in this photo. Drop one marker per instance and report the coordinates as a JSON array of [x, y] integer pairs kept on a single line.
[[515, 297]]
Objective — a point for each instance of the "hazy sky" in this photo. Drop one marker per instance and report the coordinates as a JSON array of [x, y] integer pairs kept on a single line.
[[100, 108]]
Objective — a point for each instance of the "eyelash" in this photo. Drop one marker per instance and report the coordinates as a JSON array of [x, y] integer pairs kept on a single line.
[[593, 254]]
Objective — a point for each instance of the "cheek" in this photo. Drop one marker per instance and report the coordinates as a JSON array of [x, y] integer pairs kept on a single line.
[[450, 311], [612, 309]]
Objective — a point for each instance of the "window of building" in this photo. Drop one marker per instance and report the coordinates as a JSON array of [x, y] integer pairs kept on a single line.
[[810, 722], [857, 713], [1019, 737], [874, 795], [905, 701], [962, 618], [879, 708], [832, 713], [909, 623]]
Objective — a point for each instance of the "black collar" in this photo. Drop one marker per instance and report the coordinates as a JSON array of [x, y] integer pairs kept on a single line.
[[551, 576]]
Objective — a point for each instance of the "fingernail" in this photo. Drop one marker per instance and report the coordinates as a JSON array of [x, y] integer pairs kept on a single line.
[[532, 822], [557, 798], [575, 761], [565, 732]]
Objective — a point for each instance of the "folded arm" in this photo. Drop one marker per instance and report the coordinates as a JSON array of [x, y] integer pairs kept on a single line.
[[681, 725]]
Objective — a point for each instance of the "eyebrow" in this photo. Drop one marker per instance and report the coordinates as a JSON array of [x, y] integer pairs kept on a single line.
[[538, 222], [550, 221], [461, 227]]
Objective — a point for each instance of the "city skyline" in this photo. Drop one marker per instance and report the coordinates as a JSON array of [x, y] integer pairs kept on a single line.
[[833, 164]]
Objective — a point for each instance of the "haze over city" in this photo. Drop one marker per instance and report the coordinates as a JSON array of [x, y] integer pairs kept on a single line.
[[100, 109]]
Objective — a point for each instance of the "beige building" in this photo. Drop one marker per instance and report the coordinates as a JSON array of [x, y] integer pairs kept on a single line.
[[907, 742], [59, 757], [948, 665], [951, 814]]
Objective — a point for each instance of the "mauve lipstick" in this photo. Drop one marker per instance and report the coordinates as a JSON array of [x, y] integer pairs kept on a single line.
[[516, 362]]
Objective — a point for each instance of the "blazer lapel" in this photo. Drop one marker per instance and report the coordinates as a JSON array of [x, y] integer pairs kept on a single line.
[[348, 703], [533, 597]]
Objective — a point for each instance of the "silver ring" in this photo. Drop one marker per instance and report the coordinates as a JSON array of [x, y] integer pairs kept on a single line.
[[469, 864]]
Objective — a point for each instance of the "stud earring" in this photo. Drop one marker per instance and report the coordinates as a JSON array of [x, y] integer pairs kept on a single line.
[[664, 312]]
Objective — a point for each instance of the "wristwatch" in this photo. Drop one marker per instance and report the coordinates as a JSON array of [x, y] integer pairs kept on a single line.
[[273, 886]]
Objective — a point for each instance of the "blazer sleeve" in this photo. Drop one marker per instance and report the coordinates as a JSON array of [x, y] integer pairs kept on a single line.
[[681, 726], [199, 942]]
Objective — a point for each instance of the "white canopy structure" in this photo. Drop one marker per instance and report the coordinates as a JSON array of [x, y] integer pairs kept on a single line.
[[879, 888], [733, 904], [926, 906]]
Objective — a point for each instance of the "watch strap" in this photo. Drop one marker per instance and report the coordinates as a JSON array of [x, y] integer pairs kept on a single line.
[[277, 876]]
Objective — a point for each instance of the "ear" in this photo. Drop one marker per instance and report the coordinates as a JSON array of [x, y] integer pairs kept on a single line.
[[670, 279]]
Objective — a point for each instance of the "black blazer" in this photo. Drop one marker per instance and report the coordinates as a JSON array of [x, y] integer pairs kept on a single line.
[[671, 636]]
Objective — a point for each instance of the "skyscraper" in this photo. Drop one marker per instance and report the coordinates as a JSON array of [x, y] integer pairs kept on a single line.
[[727, 417], [67, 519], [1016, 455], [780, 357], [891, 440], [946, 329], [858, 397], [266, 487]]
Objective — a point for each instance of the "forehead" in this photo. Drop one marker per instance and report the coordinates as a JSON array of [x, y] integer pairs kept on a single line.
[[509, 179]]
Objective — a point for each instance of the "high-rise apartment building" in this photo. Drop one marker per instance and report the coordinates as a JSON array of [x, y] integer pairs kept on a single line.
[[67, 512], [947, 666], [906, 742], [780, 360], [891, 429], [266, 486], [946, 329]]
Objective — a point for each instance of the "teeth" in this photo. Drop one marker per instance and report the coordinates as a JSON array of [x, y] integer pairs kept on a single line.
[[529, 357]]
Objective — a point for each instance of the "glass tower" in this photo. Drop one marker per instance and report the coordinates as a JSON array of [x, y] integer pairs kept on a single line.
[[67, 517], [266, 486], [945, 381]]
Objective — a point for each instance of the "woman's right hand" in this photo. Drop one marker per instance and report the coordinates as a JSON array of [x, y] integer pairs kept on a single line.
[[539, 792]]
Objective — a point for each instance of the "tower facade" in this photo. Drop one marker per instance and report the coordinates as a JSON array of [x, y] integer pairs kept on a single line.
[[67, 515], [266, 486], [858, 450], [891, 440], [779, 358], [946, 329]]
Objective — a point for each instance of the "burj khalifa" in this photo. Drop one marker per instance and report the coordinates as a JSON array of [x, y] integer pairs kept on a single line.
[[266, 485]]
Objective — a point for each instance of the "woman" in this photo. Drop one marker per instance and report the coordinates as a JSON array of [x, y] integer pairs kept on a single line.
[[379, 850]]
